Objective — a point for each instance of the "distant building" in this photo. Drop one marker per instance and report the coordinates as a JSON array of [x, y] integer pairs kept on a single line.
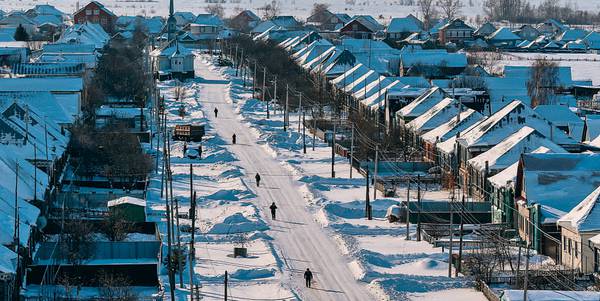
[[245, 21], [455, 31], [95, 12], [326, 20], [401, 28], [361, 27], [173, 61]]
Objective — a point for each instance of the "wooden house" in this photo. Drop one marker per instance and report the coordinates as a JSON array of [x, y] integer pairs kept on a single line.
[[96, 12], [455, 31]]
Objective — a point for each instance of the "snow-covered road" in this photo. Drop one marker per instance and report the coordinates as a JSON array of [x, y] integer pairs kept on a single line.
[[300, 241]]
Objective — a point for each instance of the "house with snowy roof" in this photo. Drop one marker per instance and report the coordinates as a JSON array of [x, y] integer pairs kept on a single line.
[[484, 30], [96, 13], [86, 33], [69, 54], [548, 187], [173, 61], [563, 118], [572, 35], [328, 21], [245, 21], [527, 32], [420, 105], [501, 156], [503, 37], [502, 191], [203, 32], [13, 53], [551, 27], [440, 113], [592, 40], [464, 120], [455, 31], [16, 18], [361, 27], [430, 63], [400, 28], [577, 228]]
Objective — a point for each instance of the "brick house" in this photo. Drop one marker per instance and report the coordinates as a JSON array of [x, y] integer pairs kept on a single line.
[[95, 12], [455, 31]]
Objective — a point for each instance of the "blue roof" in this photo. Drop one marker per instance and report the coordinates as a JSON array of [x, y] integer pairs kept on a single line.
[[407, 24]]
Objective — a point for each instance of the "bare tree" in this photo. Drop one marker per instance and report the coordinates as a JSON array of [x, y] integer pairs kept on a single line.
[[116, 226], [271, 10], [115, 287], [503, 9], [216, 9], [449, 8], [76, 241], [179, 92], [543, 82], [320, 9], [428, 12]]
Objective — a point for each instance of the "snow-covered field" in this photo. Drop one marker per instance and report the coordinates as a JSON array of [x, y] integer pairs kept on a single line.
[[394, 268], [584, 66], [299, 8]]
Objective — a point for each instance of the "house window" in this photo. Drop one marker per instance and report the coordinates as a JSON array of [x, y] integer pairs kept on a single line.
[[576, 249], [354, 27], [570, 246], [103, 21], [96, 12], [88, 12], [564, 243]]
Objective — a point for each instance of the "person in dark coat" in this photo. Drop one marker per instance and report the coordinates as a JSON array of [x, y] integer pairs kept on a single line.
[[308, 276], [257, 177], [216, 112], [233, 138], [200, 151], [273, 208]]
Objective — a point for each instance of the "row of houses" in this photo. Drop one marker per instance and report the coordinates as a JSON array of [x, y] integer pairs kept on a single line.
[[537, 166]]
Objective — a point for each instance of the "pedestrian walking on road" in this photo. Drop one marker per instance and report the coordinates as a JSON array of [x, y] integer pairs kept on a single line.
[[273, 208], [308, 276], [233, 138], [216, 112], [257, 177]]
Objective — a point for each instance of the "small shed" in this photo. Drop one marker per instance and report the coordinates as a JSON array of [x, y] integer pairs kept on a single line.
[[132, 209]]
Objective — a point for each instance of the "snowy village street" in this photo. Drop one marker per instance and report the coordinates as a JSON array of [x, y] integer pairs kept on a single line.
[[299, 240], [320, 223]]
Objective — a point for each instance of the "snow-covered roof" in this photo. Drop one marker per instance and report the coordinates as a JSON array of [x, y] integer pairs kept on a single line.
[[368, 21], [508, 176], [209, 19], [172, 49], [118, 112], [86, 33], [585, 217], [565, 77], [572, 34], [507, 121], [43, 102], [503, 34], [127, 200], [350, 75], [8, 260], [432, 57], [437, 115], [406, 24], [68, 48], [449, 129], [47, 9], [559, 115], [422, 103], [377, 98], [559, 181], [41, 84], [510, 149], [47, 19]]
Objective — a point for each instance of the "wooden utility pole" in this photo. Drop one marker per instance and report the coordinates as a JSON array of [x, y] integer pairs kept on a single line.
[[226, 283], [408, 208], [299, 109], [254, 81], [419, 208], [367, 201], [460, 243], [375, 175], [275, 94], [450, 246], [352, 151], [304, 131], [169, 225], [333, 151], [285, 114], [314, 128], [525, 284]]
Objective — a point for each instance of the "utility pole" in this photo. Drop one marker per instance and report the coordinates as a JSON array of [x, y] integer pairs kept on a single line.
[[460, 243], [525, 284], [275, 93], [17, 238], [314, 128], [375, 176], [192, 241], [299, 109], [226, 283], [333, 152], [419, 208], [450, 247], [285, 114], [367, 201], [408, 208], [169, 225], [352, 151], [235, 60], [254, 81], [264, 91], [304, 131]]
